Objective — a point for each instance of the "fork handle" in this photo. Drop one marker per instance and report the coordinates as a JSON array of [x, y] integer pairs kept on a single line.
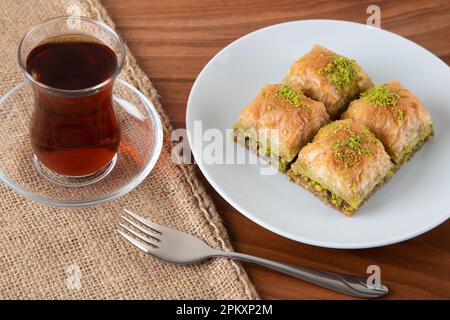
[[350, 285]]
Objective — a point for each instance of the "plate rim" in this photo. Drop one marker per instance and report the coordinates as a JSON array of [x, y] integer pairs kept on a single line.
[[325, 244]]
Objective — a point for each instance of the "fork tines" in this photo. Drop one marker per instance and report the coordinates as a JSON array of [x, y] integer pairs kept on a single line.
[[141, 232]]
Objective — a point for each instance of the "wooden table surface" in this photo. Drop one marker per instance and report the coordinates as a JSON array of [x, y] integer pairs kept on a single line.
[[173, 40]]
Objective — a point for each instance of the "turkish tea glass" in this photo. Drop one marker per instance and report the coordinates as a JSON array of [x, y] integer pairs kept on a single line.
[[72, 63]]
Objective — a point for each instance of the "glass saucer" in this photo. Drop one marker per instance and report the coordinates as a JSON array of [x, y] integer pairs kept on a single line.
[[140, 147]]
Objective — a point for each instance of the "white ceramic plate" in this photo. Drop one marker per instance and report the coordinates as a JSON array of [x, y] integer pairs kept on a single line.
[[417, 198]]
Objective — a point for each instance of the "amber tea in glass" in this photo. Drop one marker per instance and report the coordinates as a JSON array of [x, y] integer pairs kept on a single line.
[[74, 130]]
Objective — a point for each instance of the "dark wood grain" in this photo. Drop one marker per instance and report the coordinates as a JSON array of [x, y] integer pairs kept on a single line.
[[172, 41]]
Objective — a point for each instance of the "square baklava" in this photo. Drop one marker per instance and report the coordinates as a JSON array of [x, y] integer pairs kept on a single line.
[[330, 78], [343, 165], [279, 122], [396, 117]]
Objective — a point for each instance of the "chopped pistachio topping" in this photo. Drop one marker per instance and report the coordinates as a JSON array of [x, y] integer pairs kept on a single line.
[[350, 149], [293, 97], [385, 96], [382, 95], [341, 72]]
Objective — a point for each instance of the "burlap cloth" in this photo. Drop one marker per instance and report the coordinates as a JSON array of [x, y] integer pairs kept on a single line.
[[42, 248]]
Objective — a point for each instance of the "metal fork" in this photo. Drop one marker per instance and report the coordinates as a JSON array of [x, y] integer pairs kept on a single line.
[[181, 248]]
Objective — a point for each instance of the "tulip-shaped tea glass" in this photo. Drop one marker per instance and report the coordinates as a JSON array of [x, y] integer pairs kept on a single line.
[[72, 63], [73, 134]]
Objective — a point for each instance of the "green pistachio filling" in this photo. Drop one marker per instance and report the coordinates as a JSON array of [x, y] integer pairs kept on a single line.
[[262, 147], [286, 93], [341, 72], [385, 96], [332, 197], [407, 151], [282, 164], [335, 199]]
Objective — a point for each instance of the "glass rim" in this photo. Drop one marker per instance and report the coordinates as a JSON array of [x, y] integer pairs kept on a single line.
[[120, 61]]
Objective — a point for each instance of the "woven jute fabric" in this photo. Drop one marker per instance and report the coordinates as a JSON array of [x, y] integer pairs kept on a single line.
[[58, 253]]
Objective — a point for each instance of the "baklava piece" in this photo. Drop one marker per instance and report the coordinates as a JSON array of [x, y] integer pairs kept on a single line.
[[343, 165], [279, 122], [330, 78], [396, 117]]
